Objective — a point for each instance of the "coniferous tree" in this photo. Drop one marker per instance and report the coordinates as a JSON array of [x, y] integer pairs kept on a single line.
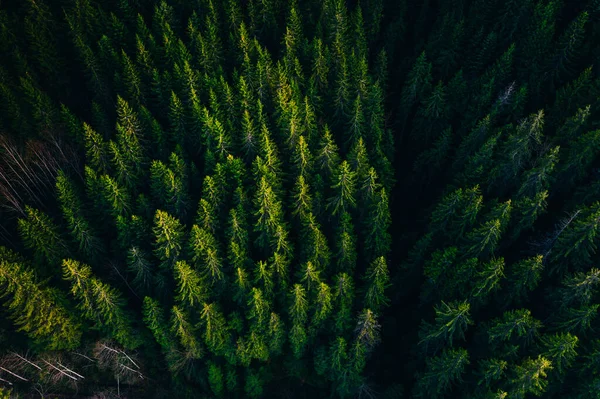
[[169, 236], [41, 235], [100, 303], [37, 310], [81, 230], [442, 372]]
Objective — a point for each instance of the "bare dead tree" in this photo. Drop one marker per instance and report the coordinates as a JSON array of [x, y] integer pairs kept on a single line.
[[112, 357], [16, 368], [16, 177], [505, 97], [13, 365], [58, 374], [13, 374], [181, 361], [11, 199], [28, 172], [25, 360]]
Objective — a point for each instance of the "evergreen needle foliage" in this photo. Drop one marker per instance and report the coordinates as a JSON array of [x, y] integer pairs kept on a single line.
[[291, 199]]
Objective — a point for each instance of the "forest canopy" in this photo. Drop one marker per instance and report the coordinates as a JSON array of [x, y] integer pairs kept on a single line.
[[293, 199]]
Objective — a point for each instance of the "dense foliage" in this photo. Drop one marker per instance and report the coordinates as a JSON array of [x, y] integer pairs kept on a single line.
[[300, 198]]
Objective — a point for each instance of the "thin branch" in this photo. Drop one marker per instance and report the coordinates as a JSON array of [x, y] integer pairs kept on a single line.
[[132, 370], [13, 374], [84, 356], [110, 349], [22, 358], [8, 382], [69, 370], [134, 363], [60, 371]]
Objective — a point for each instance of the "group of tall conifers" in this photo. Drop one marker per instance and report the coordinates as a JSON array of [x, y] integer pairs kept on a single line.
[[222, 211], [498, 289], [300, 198]]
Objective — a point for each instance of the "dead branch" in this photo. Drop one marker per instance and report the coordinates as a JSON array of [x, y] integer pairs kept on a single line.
[[60, 371], [6, 381], [133, 371], [27, 361], [69, 370], [13, 374], [131, 360], [84, 356]]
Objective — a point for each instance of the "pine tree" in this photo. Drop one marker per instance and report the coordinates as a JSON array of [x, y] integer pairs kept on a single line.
[[345, 242], [298, 313], [37, 310], [518, 324], [186, 332], [367, 329], [190, 288], [377, 278], [344, 189], [96, 149], [101, 303], [272, 232], [417, 85], [484, 239], [81, 230], [315, 248], [169, 188], [128, 153], [328, 159], [580, 157], [570, 42], [132, 81], [41, 235], [451, 321], [155, 320], [169, 236], [560, 350], [323, 305], [577, 319], [114, 198], [487, 280], [530, 377], [491, 370], [205, 254], [525, 276], [302, 204], [343, 295], [579, 288], [377, 222], [215, 379], [177, 122], [142, 270], [457, 211], [442, 371], [432, 115], [216, 336], [577, 243], [43, 111]]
